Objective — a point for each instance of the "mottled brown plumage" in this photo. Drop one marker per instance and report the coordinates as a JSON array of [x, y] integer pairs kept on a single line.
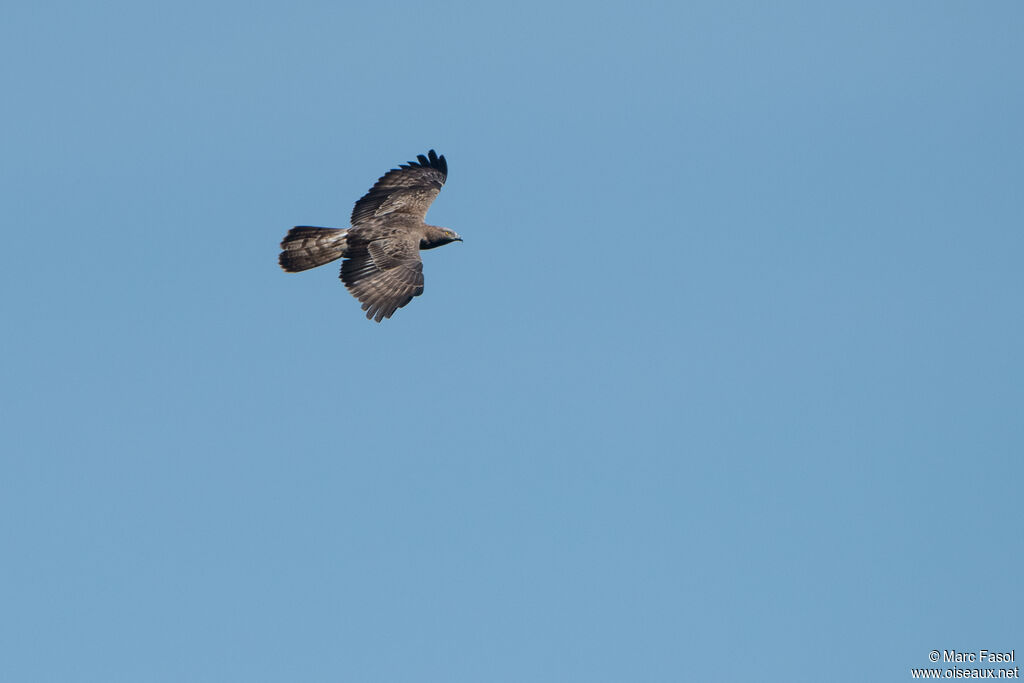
[[382, 266]]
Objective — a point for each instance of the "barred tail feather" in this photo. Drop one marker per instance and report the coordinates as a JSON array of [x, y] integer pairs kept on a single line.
[[306, 247]]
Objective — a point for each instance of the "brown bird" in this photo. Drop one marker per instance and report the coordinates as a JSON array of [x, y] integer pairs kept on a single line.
[[382, 266]]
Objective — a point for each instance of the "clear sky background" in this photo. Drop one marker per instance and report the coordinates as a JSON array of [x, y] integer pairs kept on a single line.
[[724, 384]]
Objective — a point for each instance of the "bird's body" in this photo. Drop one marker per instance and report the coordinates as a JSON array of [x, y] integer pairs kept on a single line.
[[382, 266]]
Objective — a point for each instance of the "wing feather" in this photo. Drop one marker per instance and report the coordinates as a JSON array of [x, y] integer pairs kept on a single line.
[[384, 274], [409, 189]]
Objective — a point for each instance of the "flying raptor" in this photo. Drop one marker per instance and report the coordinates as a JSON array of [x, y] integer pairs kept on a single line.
[[382, 266]]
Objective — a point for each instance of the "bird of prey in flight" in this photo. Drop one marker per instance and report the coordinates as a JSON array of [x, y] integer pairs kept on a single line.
[[382, 266]]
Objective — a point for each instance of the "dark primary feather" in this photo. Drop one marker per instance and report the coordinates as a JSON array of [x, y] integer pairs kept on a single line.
[[409, 189]]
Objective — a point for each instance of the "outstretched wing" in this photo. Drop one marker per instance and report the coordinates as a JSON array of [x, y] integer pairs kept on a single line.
[[384, 274], [409, 190]]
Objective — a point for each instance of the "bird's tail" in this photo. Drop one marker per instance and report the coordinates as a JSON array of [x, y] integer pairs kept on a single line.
[[306, 247]]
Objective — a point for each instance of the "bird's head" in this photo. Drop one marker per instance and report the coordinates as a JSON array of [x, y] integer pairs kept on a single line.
[[437, 236]]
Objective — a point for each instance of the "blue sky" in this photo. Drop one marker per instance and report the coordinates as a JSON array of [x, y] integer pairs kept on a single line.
[[725, 382]]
